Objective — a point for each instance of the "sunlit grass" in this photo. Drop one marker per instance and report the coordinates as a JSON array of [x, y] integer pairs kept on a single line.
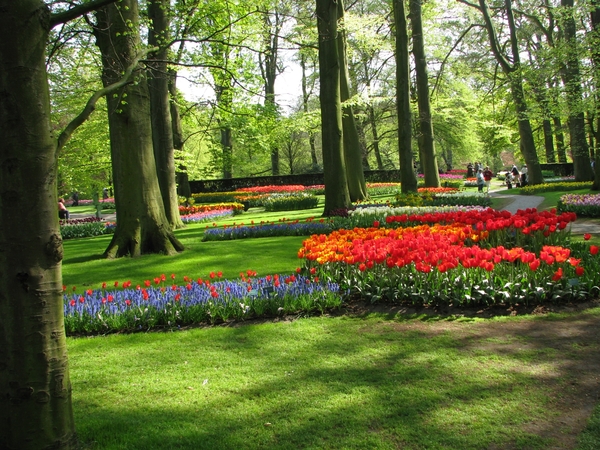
[[314, 383]]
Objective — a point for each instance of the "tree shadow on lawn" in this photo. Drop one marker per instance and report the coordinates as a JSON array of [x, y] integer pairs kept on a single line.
[[388, 384]]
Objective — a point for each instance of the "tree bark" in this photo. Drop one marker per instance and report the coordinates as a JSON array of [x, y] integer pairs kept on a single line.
[[142, 226], [35, 388], [427, 143], [311, 135], [595, 53], [268, 64], [334, 167], [408, 178], [561, 148], [549, 141], [572, 81], [183, 182], [357, 187], [162, 131], [514, 74]]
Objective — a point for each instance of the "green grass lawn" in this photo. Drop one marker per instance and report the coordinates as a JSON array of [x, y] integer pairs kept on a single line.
[[374, 381], [321, 382]]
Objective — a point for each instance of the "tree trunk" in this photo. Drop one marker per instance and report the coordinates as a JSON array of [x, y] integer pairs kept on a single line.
[[549, 141], [427, 151], [311, 135], [408, 177], [595, 53], [334, 167], [375, 133], [269, 72], [227, 146], [572, 81], [142, 226], [515, 77], [357, 187], [561, 148], [35, 388], [183, 183], [162, 131]]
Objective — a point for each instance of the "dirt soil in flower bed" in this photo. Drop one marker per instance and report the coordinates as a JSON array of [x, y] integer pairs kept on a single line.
[[573, 379]]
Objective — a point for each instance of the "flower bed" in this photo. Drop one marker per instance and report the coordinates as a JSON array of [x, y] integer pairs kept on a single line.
[[156, 304], [268, 229], [290, 202], [533, 189], [583, 204], [231, 206], [207, 216], [82, 228], [274, 189], [457, 198], [460, 258]]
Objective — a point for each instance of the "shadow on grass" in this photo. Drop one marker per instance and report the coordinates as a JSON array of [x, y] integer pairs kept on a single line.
[[341, 383]]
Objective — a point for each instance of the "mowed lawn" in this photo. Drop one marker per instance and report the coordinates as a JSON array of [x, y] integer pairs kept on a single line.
[[382, 379]]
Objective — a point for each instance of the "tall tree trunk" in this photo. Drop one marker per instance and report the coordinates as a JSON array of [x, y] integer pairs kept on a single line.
[[595, 53], [408, 178], [35, 387], [549, 141], [268, 67], [227, 146], [183, 183], [427, 151], [375, 134], [561, 148], [514, 74], [311, 135], [334, 167], [142, 226], [572, 81], [357, 187], [224, 100], [162, 131]]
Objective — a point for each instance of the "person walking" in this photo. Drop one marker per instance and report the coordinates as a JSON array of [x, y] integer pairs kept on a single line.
[[523, 176], [516, 176], [480, 180], [487, 176]]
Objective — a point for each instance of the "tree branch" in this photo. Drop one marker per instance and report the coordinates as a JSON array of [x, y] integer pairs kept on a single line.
[[76, 11], [91, 104]]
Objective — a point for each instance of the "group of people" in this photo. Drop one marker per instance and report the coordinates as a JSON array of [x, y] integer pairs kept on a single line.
[[513, 176], [484, 177]]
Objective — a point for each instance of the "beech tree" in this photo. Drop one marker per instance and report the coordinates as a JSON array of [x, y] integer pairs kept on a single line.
[[35, 388], [595, 53], [408, 178], [511, 67], [334, 165], [160, 108], [142, 225], [357, 187], [426, 141]]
